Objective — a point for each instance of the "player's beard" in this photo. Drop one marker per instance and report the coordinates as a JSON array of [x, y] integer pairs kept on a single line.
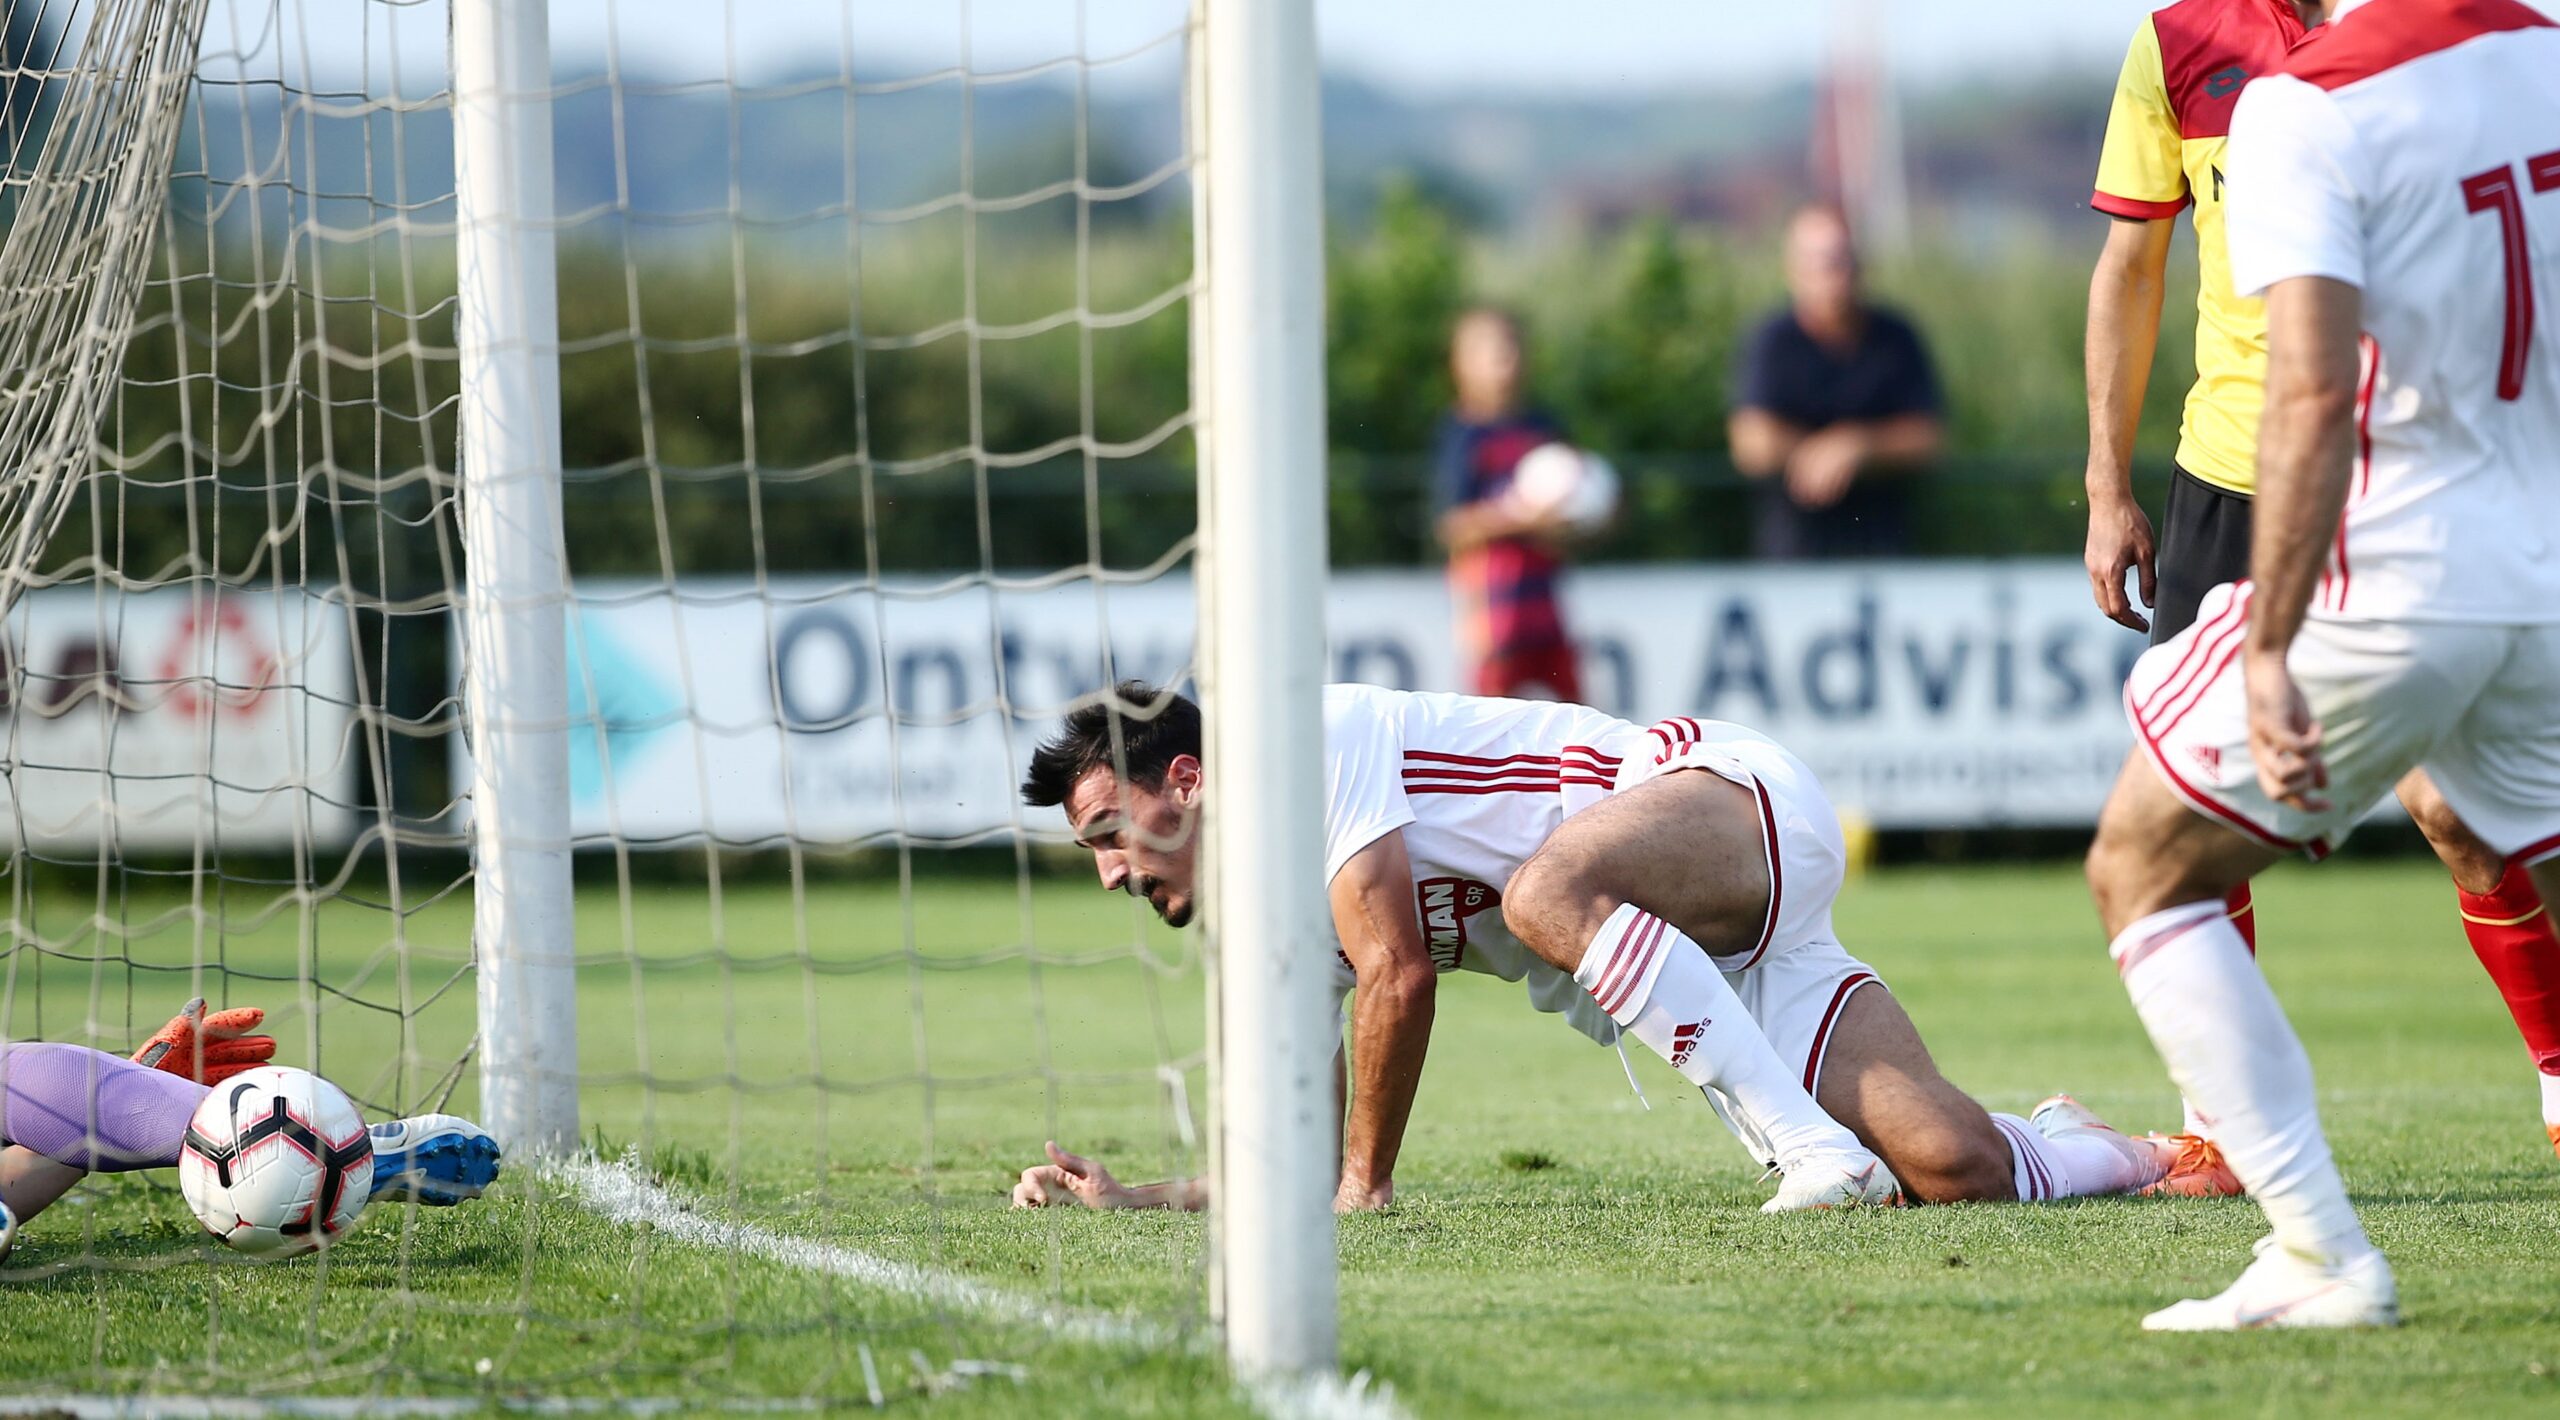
[[1176, 911]]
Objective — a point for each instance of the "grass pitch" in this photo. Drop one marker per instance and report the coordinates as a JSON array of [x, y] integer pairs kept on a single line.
[[863, 1071]]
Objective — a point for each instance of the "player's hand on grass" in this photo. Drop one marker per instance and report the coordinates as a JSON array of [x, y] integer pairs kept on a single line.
[[1068, 1178], [2284, 739], [209, 1049], [2120, 539]]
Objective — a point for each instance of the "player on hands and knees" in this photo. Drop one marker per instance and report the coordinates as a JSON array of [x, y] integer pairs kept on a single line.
[[1673, 884], [2389, 192], [67, 1111], [2167, 133]]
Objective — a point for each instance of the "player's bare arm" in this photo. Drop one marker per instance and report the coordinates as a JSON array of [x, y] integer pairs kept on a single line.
[[2305, 454], [2125, 294], [1472, 525], [1826, 463], [1072, 1178], [1761, 442], [1372, 899]]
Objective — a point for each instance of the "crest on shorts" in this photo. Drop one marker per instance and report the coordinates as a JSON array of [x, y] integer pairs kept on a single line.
[[2208, 758], [1445, 905]]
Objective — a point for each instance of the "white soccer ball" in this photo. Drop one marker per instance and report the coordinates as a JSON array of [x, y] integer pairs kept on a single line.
[[1574, 485], [276, 1162]]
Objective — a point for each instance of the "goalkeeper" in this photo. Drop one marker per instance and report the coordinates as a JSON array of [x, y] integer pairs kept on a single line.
[[67, 1111], [1671, 883]]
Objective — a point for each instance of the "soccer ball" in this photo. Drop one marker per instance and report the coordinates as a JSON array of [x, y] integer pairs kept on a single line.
[[276, 1162], [1575, 485]]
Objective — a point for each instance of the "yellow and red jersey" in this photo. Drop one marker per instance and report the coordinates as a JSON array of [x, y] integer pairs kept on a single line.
[[2165, 136]]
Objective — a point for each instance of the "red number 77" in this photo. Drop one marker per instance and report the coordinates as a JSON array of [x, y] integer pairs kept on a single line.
[[2496, 191]]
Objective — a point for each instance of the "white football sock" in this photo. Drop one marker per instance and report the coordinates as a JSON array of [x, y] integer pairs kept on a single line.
[[1661, 987], [2072, 1163], [2550, 1098], [2230, 1049]]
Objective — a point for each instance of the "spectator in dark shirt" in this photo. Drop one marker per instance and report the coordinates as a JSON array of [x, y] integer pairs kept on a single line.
[[1503, 563], [1834, 403]]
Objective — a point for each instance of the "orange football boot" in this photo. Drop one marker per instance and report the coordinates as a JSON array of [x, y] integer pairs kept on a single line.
[[2196, 1169]]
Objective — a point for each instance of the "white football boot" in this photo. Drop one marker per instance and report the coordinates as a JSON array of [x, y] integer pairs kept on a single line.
[[2282, 1290], [1843, 1180], [436, 1160]]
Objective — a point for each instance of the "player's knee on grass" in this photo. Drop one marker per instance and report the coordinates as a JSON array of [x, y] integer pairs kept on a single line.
[[1948, 1153], [2476, 867]]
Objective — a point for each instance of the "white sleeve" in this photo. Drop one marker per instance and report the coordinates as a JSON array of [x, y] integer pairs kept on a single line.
[[2294, 206], [1364, 798]]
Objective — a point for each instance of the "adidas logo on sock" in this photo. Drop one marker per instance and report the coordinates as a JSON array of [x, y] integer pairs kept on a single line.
[[1684, 1042]]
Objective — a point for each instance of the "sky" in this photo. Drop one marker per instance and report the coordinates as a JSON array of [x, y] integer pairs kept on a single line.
[[1543, 46]]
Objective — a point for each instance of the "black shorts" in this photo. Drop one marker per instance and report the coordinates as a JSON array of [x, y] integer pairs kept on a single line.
[[2204, 542]]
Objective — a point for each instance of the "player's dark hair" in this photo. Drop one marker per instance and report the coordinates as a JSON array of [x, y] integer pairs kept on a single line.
[[1137, 731]]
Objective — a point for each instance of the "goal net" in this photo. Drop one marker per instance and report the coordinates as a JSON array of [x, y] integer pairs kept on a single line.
[[536, 550]]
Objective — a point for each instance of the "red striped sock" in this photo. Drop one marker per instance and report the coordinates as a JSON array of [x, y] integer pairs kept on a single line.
[[2244, 915], [2511, 934]]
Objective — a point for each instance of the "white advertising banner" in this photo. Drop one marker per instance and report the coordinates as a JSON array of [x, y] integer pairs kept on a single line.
[[165, 720], [1925, 694]]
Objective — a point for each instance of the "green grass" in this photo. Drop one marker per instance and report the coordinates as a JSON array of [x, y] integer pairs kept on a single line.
[[874, 1080]]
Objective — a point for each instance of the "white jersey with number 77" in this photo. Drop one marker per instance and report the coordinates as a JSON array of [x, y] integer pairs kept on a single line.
[[2411, 149]]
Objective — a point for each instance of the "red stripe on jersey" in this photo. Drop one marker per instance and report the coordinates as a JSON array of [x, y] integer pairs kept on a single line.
[[1595, 756], [1435, 757], [1542, 787], [1822, 1032], [2365, 42], [1777, 878], [1463, 776], [2372, 375]]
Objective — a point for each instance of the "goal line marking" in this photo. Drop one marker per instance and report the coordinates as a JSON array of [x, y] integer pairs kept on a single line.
[[620, 1192]]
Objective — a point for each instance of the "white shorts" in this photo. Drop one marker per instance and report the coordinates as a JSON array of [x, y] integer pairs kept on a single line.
[[2478, 706], [1799, 831]]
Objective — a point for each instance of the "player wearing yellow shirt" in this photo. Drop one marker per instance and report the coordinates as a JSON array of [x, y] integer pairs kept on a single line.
[[2166, 131], [2163, 156]]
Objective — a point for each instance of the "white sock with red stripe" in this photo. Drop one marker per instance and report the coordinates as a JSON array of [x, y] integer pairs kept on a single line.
[[2072, 1164], [2230, 1049], [1662, 988]]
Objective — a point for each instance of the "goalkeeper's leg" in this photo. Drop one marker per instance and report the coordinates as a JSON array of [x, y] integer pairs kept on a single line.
[[67, 1110]]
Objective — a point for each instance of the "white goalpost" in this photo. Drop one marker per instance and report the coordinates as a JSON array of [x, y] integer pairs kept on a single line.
[[540, 537], [1262, 520], [515, 629]]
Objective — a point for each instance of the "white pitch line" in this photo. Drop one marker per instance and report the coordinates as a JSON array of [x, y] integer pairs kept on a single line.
[[622, 1194], [619, 1192]]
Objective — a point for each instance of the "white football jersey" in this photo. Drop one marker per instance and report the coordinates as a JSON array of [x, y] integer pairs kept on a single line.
[[1477, 784], [2411, 149]]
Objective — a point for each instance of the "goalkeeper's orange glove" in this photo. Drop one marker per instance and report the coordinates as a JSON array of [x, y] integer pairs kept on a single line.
[[208, 1049]]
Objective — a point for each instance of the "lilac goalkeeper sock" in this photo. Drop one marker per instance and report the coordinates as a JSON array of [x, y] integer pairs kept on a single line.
[[93, 1110]]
